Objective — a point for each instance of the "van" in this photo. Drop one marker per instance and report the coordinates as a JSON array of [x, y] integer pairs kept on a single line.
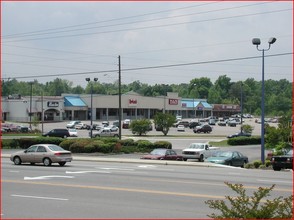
[[58, 132]]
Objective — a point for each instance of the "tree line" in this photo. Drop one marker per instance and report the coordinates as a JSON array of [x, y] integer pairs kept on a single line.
[[278, 93]]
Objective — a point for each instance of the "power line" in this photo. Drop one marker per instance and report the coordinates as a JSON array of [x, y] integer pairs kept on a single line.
[[150, 27], [150, 67]]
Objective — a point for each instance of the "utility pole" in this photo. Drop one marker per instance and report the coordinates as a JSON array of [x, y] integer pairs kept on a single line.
[[119, 98]]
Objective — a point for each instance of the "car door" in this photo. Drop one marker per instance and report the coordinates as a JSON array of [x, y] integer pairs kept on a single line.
[[29, 154], [237, 160], [40, 154]]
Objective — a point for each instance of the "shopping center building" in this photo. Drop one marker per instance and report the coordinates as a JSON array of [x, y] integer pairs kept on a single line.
[[106, 107]]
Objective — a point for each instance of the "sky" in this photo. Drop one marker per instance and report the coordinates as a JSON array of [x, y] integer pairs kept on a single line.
[[166, 42]]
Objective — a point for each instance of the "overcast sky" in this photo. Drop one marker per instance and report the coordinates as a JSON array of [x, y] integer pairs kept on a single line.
[[159, 42]]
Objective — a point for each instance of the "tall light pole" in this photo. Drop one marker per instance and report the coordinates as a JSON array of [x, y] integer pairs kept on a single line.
[[91, 112], [241, 102], [31, 94], [256, 41]]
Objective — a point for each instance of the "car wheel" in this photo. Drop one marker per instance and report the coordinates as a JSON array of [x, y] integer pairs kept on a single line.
[[276, 168], [116, 135], [184, 159], [62, 163], [65, 136], [17, 160], [201, 159], [47, 162]]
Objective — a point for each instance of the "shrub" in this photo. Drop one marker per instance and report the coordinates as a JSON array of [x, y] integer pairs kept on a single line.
[[65, 144], [162, 144], [144, 144], [268, 163], [251, 207], [257, 163], [106, 148], [79, 145], [244, 140], [9, 143], [127, 142], [249, 166]]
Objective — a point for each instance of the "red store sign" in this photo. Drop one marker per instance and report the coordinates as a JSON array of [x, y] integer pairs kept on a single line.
[[132, 101], [173, 101]]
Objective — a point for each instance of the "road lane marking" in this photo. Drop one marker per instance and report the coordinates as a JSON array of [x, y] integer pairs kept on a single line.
[[119, 189], [45, 177], [112, 168], [274, 181], [39, 197], [92, 171]]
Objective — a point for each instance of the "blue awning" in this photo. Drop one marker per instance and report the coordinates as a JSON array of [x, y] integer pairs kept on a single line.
[[74, 101]]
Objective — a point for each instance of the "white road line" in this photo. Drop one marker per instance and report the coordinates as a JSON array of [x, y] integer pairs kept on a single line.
[[13, 171], [274, 181], [45, 177], [109, 168], [39, 197], [72, 172]]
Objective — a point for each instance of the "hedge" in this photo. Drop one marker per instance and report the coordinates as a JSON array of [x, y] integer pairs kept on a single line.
[[244, 140], [162, 144]]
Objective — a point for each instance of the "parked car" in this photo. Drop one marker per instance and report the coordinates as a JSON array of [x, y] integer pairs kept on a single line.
[[202, 128], [239, 134], [104, 132], [185, 123], [113, 127], [232, 123], [82, 126], [73, 132], [222, 123], [212, 121], [126, 123], [181, 128], [158, 128], [58, 132], [230, 158], [198, 151], [42, 153], [283, 162], [162, 154], [72, 124], [193, 124]]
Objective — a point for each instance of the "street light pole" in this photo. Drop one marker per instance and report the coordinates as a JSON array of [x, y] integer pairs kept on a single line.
[[241, 101], [256, 41], [31, 94], [91, 112]]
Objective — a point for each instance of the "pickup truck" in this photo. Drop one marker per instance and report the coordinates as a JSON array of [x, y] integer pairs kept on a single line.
[[199, 151], [104, 132]]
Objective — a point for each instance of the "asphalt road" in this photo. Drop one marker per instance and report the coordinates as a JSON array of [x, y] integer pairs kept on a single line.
[[84, 189]]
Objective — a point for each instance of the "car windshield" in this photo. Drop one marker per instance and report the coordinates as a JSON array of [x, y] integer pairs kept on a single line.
[[158, 152], [290, 153], [197, 146], [225, 154], [55, 148]]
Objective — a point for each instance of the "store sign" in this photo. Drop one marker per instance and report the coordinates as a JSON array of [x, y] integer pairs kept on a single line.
[[52, 104], [184, 105], [132, 102], [173, 101]]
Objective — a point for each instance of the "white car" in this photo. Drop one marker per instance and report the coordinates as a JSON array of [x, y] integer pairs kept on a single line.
[[73, 132], [81, 126], [72, 124], [181, 128]]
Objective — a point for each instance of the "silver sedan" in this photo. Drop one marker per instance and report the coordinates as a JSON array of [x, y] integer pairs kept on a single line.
[[42, 153]]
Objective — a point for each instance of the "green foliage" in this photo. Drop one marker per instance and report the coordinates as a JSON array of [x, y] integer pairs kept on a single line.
[[9, 143], [165, 121], [244, 140], [251, 207], [144, 144], [247, 128], [127, 142], [257, 163], [141, 126], [25, 143], [162, 144]]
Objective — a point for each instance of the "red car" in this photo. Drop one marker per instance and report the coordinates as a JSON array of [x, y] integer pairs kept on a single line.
[[162, 154]]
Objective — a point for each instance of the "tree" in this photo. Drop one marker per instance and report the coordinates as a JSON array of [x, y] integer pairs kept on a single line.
[[140, 127], [164, 121], [251, 207]]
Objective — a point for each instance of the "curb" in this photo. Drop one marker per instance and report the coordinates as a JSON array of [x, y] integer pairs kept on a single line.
[[140, 161]]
